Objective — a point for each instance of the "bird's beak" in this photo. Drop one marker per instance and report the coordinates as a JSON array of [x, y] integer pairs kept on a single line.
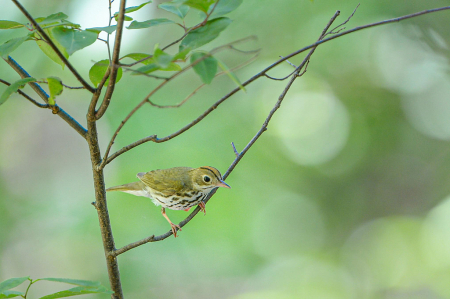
[[223, 184]]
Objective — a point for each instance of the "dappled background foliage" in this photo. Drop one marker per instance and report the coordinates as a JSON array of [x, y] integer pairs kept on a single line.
[[345, 196]]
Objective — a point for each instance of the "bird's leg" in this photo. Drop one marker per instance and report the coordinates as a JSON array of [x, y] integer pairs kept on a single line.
[[202, 207], [173, 226]]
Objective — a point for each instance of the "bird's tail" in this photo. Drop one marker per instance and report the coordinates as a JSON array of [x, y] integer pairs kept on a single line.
[[133, 188]]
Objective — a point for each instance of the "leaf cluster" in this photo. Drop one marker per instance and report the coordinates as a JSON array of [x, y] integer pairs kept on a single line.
[[82, 287], [69, 38]]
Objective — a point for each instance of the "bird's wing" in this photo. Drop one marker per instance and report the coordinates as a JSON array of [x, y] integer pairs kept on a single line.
[[166, 181]]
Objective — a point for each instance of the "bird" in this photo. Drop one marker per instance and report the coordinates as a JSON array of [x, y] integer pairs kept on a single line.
[[177, 188]]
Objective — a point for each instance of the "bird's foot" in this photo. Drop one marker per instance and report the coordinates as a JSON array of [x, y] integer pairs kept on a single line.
[[174, 228], [202, 207]]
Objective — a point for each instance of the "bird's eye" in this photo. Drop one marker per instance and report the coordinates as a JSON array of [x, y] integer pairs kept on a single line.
[[207, 179]]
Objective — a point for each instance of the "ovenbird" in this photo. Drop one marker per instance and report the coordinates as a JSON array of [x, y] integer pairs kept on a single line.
[[177, 188]]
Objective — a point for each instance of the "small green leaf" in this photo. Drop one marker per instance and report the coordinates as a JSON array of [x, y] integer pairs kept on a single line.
[[107, 29], [206, 68], [98, 71], [52, 18], [125, 18], [11, 45], [139, 56], [78, 291], [5, 24], [182, 54], [78, 282], [149, 23], [230, 74], [151, 67], [172, 67], [74, 40], [224, 7], [205, 34], [177, 8], [202, 5], [14, 282], [133, 8], [45, 47], [56, 88], [161, 58], [11, 294]]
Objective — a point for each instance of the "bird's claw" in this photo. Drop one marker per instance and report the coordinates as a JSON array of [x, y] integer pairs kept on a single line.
[[202, 207], [174, 229]]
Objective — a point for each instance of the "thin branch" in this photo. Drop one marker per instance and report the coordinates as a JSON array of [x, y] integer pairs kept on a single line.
[[114, 63], [53, 46], [26, 96], [66, 86], [289, 62], [332, 31], [202, 85], [239, 156], [38, 89], [235, 150]]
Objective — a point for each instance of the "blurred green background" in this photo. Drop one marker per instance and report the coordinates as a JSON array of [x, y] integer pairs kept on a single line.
[[345, 196]]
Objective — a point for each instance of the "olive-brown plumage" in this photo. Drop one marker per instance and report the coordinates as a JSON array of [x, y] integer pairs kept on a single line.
[[178, 188]]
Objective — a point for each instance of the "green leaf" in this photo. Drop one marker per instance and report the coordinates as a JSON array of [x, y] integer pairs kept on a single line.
[[74, 40], [52, 18], [45, 47], [182, 54], [10, 294], [149, 23], [205, 34], [78, 282], [107, 29], [155, 67], [177, 8], [98, 71], [206, 68], [6, 94], [151, 67], [224, 7], [161, 58], [230, 74], [11, 45], [139, 56], [56, 88], [125, 18], [202, 5], [5, 24], [78, 291], [132, 8], [14, 282]]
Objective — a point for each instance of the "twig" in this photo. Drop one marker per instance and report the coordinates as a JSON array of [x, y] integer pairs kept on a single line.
[[289, 62], [66, 86], [235, 150], [114, 63], [26, 96], [239, 156], [201, 86], [44, 96], [351, 16], [53, 46]]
